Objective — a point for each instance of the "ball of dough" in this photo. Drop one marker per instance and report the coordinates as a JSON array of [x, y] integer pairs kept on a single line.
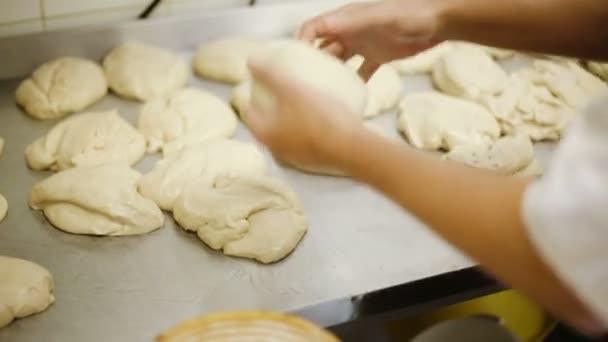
[[241, 96], [257, 218], [225, 60], [62, 86], [96, 200], [433, 121], [142, 72], [599, 69], [314, 68], [187, 113], [3, 207], [26, 289], [204, 161], [469, 72], [424, 61]]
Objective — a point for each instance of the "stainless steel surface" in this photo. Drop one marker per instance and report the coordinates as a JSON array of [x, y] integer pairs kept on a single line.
[[132, 288]]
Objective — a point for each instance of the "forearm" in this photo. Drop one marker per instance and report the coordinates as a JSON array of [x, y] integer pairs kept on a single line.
[[564, 27], [475, 210]]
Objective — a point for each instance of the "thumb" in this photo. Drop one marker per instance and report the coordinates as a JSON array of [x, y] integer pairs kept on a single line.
[[257, 122], [367, 69]]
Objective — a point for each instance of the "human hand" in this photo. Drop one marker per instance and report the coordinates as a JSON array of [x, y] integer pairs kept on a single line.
[[380, 31]]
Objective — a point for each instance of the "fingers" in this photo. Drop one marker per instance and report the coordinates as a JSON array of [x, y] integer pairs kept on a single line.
[[367, 69], [257, 123], [331, 24], [270, 77]]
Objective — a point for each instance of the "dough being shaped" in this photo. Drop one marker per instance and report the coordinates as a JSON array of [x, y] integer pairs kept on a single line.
[[26, 289], [143, 72], [599, 69], [225, 60], [384, 88], [496, 53], [241, 96], [3, 209], [186, 113], [467, 71], [87, 139], [433, 121], [424, 61], [96, 200], [251, 217], [62, 86], [523, 107], [315, 68], [507, 156], [205, 162]]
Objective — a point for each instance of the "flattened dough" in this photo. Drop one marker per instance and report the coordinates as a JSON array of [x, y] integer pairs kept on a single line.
[[424, 61], [143, 72], [240, 97], [225, 60], [202, 162], [26, 289], [3, 209], [599, 69], [433, 121], [258, 218], [384, 88], [187, 113], [87, 139], [62, 86], [469, 72], [96, 200]]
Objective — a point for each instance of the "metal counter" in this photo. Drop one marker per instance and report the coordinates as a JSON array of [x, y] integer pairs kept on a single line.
[[132, 288]]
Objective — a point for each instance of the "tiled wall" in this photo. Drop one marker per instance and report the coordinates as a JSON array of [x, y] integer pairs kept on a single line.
[[25, 16]]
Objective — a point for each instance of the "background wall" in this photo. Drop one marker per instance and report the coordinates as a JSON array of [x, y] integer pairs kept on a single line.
[[26, 16]]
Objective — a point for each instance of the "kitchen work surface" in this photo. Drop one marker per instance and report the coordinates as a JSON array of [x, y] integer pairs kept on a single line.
[[133, 288]]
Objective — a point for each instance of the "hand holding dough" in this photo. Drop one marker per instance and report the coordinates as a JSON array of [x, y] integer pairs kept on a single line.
[[64, 85], [241, 96], [424, 61], [258, 218], [225, 60], [599, 69], [86, 139], [97, 200], [26, 289]]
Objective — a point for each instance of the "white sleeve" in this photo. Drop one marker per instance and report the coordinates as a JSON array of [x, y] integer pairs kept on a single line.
[[566, 212]]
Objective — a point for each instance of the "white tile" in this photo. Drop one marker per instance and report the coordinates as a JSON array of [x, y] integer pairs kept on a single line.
[[92, 18], [187, 6], [19, 10], [62, 7], [20, 28]]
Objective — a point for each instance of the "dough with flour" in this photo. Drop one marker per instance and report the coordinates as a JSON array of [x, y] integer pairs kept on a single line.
[[187, 113], [433, 121], [62, 86], [143, 72], [3, 207], [86, 139], [26, 289], [250, 217], [225, 60], [202, 162], [384, 88], [96, 200], [469, 72], [424, 61]]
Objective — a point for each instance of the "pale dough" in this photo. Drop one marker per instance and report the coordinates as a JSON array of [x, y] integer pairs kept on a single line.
[[424, 61], [3, 207], [225, 60], [251, 217], [384, 88], [187, 113], [96, 200], [434, 121], [1, 146], [315, 68], [496, 53], [240, 97], [64, 85], [205, 162], [86, 139], [507, 156], [143, 72], [599, 69], [469, 72], [26, 289]]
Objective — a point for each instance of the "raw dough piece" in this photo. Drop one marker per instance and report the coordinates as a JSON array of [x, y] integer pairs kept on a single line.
[[26, 289], [64, 85], [384, 88], [225, 60], [96, 200], [496, 53], [506, 156], [534, 169], [1, 146], [205, 161], [469, 72], [84, 140], [186, 113], [424, 61], [433, 121], [241, 95], [257, 218], [143, 72], [317, 69], [3, 209], [599, 69]]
